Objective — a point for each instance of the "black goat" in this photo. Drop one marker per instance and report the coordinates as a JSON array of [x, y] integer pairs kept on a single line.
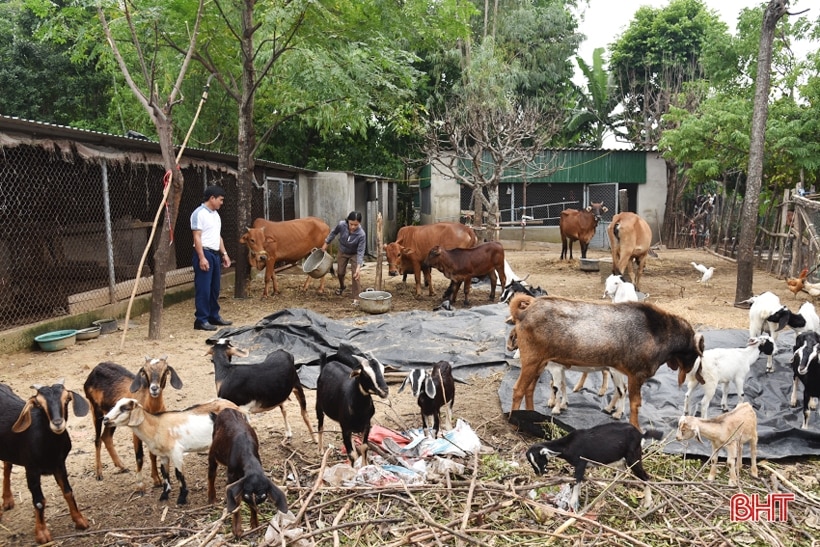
[[516, 286], [261, 386], [33, 434], [236, 446], [434, 389], [806, 366], [109, 382], [345, 393], [603, 444]]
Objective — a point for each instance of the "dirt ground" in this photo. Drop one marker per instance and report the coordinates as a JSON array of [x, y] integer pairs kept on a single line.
[[111, 506]]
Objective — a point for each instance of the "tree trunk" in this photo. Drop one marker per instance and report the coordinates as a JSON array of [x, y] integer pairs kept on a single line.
[[675, 187], [165, 254], [748, 227], [246, 148]]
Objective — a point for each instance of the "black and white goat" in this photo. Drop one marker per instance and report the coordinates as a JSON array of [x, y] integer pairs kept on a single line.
[[261, 386], [170, 435], [33, 434], [109, 382], [519, 286], [806, 367], [719, 366], [345, 394], [434, 389], [602, 444], [236, 446], [767, 314]]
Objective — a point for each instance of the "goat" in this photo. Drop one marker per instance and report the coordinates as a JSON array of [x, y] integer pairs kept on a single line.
[[619, 290], [170, 434], [767, 314], [519, 286], [260, 386], [33, 434], [434, 389], [806, 367], [109, 382], [602, 444], [571, 332], [345, 395], [236, 446], [719, 366], [732, 430]]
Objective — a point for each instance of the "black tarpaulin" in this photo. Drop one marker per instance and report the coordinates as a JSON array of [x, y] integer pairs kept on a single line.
[[473, 340]]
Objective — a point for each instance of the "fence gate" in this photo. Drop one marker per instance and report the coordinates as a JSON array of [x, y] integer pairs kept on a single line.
[[607, 193]]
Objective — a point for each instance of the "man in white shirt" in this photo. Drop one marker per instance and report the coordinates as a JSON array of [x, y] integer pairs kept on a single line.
[[209, 258]]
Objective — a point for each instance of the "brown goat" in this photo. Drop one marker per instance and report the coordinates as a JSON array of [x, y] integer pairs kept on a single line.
[[106, 384], [634, 338]]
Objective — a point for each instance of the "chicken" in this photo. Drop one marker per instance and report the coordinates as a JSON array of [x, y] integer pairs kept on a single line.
[[707, 272], [812, 289], [796, 284]]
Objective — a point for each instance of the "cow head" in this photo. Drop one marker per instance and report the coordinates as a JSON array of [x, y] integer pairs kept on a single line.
[[260, 246], [597, 210], [394, 253]]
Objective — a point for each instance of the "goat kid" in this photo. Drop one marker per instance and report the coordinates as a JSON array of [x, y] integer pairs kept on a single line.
[[719, 366], [236, 446], [602, 444], [433, 389], [109, 382], [345, 394], [732, 430], [767, 314], [806, 367], [33, 434], [170, 435], [261, 386]]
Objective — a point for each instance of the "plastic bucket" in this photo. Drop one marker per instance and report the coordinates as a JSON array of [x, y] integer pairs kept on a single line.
[[317, 264]]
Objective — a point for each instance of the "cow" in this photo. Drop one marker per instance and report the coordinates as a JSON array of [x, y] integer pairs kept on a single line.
[[580, 226], [629, 237], [413, 244], [462, 265], [289, 241]]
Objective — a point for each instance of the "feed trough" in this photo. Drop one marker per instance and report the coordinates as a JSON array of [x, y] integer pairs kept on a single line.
[[89, 334], [317, 264], [107, 326], [56, 340], [589, 264]]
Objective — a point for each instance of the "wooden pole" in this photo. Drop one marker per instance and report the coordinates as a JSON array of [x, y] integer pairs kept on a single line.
[[379, 249]]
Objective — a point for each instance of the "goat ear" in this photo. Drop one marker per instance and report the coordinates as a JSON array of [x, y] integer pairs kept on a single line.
[[80, 405], [407, 380], [136, 416], [233, 495], [138, 381], [175, 379], [697, 434], [24, 419], [549, 453], [429, 386], [278, 498]]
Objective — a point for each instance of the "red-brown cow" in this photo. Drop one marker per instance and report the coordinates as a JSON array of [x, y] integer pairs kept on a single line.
[[462, 265], [290, 240], [413, 243], [580, 226], [630, 238]]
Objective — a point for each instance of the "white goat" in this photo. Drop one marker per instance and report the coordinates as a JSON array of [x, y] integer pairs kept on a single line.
[[732, 430], [767, 314], [170, 435], [619, 290], [809, 313], [558, 388], [719, 366]]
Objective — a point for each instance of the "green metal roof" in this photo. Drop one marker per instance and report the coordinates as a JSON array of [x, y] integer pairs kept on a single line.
[[573, 166]]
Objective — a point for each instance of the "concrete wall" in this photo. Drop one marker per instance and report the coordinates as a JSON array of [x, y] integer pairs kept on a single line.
[[445, 198], [652, 195], [329, 196]]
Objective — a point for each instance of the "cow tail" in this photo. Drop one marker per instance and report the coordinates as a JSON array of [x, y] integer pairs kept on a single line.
[[616, 230]]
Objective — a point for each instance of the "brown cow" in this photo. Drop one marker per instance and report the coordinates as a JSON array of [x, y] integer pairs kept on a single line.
[[413, 243], [579, 225], [462, 265], [630, 237], [289, 241]]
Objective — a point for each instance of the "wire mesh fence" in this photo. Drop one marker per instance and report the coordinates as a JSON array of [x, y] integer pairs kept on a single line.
[[73, 229]]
